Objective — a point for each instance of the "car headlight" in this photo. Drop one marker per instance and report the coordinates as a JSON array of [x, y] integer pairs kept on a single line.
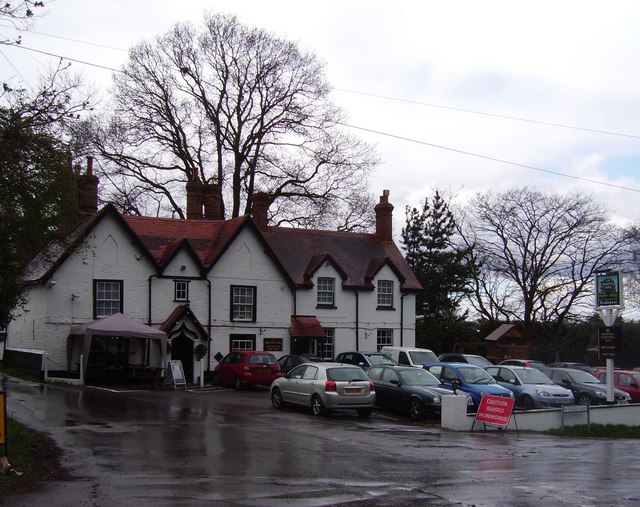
[[511, 395], [542, 392], [435, 400], [469, 400], [601, 394]]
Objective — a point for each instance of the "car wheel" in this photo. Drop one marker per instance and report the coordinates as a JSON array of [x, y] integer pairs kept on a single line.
[[276, 398], [416, 409], [364, 412], [317, 407], [584, 399], [237, 383], [527, 403]]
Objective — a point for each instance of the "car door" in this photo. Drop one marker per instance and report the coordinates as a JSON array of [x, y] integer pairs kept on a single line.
[[394, 392], [306, 384], [226, 371], [506, 378], [290, 389]]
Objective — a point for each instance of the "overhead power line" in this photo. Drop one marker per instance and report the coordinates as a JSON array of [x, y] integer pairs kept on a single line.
[[28, 30], [516, 118], [20, 46], [486, 157]]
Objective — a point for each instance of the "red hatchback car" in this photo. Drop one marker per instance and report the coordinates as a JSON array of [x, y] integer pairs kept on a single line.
[[625, 380], [247, 367]]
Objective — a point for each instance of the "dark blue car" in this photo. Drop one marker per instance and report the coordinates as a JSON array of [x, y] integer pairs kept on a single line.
[[472, 379]]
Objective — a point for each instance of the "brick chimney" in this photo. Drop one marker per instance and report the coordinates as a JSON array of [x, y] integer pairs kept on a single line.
[[88, 190], [259, 207], [213, 203], [195, 200], [384, 217]]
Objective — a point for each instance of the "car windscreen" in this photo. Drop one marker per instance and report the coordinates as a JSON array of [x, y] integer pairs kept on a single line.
[[416, 377], [479, 361], [582, 377], [262, 359], [346, 374], [376, 359], [423, 356], [533, 376], [476, 376]]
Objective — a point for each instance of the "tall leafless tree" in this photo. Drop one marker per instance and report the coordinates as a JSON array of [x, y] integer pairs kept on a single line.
[[539, 253], [239, 107]]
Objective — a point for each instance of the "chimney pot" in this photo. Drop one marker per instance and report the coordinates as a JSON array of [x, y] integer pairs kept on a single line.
[[384, 217], [259, 208], [195, 200]]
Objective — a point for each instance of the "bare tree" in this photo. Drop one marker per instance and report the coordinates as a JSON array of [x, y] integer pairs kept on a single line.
[[19, 14], [539, 253], [239, 107]]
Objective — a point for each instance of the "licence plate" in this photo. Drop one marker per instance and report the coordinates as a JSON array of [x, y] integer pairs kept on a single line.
[[563, 400], [353, 390]]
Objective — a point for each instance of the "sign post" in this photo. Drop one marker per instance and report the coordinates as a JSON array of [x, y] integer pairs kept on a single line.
[[609, 304], [3, 415]]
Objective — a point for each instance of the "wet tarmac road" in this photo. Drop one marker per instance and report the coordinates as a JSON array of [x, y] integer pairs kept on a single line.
[[222, 447]]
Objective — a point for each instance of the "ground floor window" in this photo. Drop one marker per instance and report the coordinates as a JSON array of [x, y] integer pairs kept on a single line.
[[384, 338], [242, 342], [326, 347]]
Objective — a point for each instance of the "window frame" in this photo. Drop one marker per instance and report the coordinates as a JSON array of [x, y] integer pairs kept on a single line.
[[384, 298], [245, 338], [176, 283], [327, 348], [323, 291], [233, 305], [382, 340], [119, 301]]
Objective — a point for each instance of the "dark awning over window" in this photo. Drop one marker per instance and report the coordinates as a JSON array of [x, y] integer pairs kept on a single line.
[[306, 327]]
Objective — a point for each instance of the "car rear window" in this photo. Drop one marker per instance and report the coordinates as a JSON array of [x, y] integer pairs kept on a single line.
[[262, 359], [346, 374]]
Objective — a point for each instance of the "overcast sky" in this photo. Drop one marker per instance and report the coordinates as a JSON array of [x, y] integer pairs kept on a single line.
[[431, 81]]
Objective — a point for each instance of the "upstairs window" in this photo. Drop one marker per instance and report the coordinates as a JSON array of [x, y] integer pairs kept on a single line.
[[107, 296], [181, 290], [385, 294], [326, 291], [243, 303]]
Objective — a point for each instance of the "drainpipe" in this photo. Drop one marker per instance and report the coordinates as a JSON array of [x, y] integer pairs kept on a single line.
[[402, 319], [149, 309], [357, 320], [209, 326]]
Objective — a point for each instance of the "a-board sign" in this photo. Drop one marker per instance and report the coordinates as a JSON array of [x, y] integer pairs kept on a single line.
[[495, 410], [175, 374]]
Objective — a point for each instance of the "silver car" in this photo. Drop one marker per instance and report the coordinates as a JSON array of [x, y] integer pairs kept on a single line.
[[531, 387], [325, 386]]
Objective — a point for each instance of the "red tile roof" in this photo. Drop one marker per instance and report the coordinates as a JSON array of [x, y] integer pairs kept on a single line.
[[356, 254]]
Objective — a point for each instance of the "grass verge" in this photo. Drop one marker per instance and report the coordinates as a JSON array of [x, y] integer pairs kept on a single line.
[[598, 431]]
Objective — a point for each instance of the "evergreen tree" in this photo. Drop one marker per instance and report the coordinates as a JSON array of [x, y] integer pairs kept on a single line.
[[443, 268]]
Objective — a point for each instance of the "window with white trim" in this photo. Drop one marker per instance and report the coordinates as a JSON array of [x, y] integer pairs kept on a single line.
[[326, 291], [107, 296], [181, 290], [243, 303], [384, 338], [326, 350], [385, 293], [242, 342]]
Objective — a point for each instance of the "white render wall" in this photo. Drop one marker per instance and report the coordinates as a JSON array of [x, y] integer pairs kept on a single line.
[[109, 253]]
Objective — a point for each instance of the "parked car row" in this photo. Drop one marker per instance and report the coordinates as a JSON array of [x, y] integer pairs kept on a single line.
[[362, 380]]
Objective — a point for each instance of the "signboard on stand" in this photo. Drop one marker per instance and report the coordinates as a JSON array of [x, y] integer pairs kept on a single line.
[[175, 374], [495, 410]]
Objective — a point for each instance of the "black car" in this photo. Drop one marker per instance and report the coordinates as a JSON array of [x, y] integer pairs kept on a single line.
[[586, 388], [364, 359], [289, 362], [411, 390]]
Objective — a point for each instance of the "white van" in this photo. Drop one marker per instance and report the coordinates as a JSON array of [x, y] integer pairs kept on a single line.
[[410, 356]]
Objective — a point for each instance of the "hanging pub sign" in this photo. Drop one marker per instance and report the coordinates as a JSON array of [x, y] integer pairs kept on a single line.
[[609, 289], [608, 342]]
